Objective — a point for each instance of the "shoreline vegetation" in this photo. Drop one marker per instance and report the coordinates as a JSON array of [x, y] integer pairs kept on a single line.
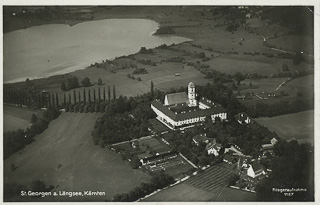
[[229, 62]]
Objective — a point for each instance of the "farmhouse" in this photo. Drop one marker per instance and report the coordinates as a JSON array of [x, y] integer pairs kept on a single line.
[[243, 118], [182, 110], [255, 170], [213, 148], [201, 138]]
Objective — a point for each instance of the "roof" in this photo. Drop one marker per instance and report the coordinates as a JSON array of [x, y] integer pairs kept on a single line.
[[267, 146], [160, 156], [201, 138], [228, 157], [176, 98], [257, 167], [241, 116], [191, 85], [192, 113], [213, 145]]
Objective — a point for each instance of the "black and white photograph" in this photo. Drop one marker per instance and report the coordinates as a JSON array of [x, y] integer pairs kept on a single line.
[[164, 102]]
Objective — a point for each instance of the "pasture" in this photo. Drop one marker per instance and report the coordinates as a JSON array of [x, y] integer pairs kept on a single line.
[[294, 43], [64, 156], [299, 126], [15, 117]]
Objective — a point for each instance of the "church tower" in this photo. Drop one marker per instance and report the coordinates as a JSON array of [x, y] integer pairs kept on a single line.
[[192, 94]]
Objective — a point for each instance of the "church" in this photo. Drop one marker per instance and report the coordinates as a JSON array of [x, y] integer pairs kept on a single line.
[[181, 110]]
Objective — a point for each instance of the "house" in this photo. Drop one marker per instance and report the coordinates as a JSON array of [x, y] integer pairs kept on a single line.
[[234, 149], [242, 118], [201, 138], [228, 158], [255, 170], [213, 148], [183, 110], [158, 158], [269, 147], [274, 141]]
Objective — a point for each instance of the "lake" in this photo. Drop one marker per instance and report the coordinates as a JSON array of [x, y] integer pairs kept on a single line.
[[46, 50]]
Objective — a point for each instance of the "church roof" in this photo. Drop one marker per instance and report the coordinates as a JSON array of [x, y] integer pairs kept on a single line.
[[176, 98], [191, 85]]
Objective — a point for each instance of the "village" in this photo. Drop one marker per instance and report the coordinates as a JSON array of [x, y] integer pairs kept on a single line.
[[179, 113]]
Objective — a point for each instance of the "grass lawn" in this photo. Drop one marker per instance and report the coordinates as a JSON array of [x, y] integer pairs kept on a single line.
[[17, 117], [298, 125], [65, 156]]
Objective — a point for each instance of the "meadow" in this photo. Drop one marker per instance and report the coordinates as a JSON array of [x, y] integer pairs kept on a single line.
[[299, 126], [64, 156], [17, 117]]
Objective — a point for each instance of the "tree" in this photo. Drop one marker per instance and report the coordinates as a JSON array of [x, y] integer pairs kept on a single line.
[[239, 77], [34, 119], [152, 88], [99, 95], [86, 82], [89, 97], [57, 101], [84, 95], [139, 78], [99, 81], [74, 97], [63, 86], [104, 94], [64, 99], [114, 93], [109, 95]]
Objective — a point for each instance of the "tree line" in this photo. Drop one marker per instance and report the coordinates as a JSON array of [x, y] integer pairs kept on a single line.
[[292, 167], [74, 101], [14, 141]]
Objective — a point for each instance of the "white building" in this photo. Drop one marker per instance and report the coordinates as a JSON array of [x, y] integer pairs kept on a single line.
[[255, 170], [181, 109]]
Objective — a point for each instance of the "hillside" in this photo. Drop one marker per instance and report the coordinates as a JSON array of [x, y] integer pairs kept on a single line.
[[64, 156]]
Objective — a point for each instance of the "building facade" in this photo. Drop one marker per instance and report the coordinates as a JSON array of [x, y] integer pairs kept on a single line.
[[182, 110]]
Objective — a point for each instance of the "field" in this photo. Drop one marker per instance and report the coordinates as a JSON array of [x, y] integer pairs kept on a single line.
[[298, 126], [150, 146], [181, 192], [211, 179], [17, 117], [207, 186], [64, 156]]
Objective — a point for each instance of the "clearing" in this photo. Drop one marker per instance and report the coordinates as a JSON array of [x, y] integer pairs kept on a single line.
[[299, 126], [15, 117], [64, 156]]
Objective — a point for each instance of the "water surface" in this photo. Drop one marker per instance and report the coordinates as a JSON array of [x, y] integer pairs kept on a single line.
[[51, 49]]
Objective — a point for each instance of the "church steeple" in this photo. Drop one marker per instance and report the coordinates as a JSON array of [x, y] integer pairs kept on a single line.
[[192, 94]]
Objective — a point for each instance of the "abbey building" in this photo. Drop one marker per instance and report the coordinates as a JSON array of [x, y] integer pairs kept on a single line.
[[182, 110]]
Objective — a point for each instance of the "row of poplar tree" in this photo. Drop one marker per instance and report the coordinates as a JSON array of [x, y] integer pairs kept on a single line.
[[70, 100]]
